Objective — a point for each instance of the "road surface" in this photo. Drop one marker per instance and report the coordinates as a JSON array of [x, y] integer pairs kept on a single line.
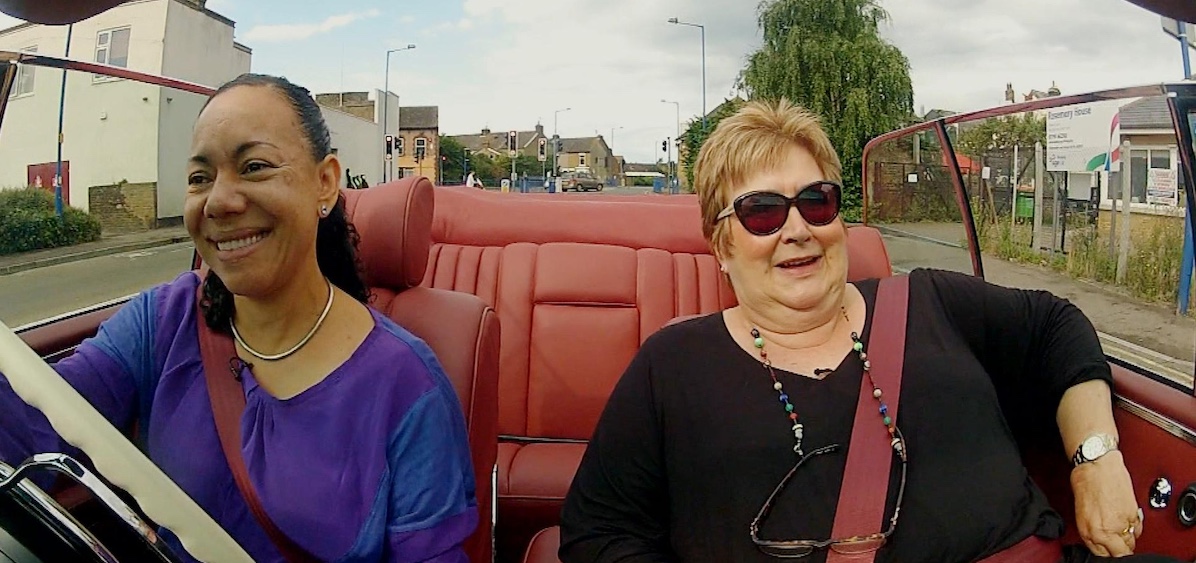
[[33, 295]]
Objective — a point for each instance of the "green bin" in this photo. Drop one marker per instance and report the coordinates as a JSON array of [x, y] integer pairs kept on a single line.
[[1025, 205]]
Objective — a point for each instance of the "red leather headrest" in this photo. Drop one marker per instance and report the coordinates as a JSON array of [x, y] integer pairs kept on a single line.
[[866, 254], [395, 224]]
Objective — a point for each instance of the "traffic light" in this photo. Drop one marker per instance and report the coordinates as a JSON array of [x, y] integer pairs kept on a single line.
[[511, 141], [390, 142], [664, 145], [543, 151], [560, 145]]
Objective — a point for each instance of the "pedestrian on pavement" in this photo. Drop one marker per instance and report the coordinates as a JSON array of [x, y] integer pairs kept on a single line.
[[349, 432], [734, 436], [472, 181]]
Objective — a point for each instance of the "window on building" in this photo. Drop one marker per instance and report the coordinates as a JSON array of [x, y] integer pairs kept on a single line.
[[24, 84], [112, 47], [398, 146], [1140, 161], [581, 159]]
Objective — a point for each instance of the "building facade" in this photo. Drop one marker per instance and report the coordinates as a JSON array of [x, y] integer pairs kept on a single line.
[[125, 144], [416, 132]]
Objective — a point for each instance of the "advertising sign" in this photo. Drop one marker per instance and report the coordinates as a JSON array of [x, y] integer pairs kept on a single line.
[[1079, 137], [1162, 187]]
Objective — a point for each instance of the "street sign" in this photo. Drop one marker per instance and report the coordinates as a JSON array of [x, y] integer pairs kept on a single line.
[[1171, 27]]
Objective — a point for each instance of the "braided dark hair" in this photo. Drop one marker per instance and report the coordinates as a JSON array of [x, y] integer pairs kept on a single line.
[[336, 239]]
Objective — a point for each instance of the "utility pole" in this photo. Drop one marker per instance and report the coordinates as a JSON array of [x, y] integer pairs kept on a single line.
[[703, 28], [1188, 259], [58, 179], [556, 161], [1123, 253], [386, 103]]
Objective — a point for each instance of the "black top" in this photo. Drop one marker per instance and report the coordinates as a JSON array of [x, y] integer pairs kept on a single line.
[[694, 437]]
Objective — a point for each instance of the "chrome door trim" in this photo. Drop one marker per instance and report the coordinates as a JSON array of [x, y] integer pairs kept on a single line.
[[1168, 425]]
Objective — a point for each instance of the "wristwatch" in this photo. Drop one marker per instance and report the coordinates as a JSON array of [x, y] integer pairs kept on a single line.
[[1093, 447]]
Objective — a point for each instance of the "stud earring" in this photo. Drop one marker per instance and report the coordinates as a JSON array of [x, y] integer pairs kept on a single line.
[[722, 268], [323, 211]]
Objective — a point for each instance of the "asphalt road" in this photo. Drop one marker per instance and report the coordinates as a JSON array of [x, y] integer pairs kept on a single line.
[[37, 294]]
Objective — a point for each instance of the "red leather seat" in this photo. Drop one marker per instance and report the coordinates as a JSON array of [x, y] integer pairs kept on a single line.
[[394, 221], [867, 258], [578, 284]]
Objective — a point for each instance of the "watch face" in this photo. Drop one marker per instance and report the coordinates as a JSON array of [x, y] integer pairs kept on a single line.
[[1092, 448]]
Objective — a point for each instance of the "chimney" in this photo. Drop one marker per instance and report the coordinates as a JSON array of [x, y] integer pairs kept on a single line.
[[539, 130], [485, 131]]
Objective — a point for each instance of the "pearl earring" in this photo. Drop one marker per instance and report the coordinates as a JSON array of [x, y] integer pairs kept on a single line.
[[722, 268], [323, 211]]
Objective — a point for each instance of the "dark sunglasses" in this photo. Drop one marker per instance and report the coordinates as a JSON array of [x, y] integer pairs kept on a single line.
[[764, 213], [855, 545]]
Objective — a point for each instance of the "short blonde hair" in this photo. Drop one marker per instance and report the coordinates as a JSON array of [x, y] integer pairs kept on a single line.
[[757, 137]]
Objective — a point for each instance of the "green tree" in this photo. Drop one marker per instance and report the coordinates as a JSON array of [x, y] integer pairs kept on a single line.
[[525, 165], [454, 164], [828, 56], [1002, 133], [485, 168], [695, 136]]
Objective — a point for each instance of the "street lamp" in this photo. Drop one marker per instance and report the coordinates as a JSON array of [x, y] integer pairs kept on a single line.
[[703, 28], [555, 155], [677, 122], [612, 138], [386, 100]]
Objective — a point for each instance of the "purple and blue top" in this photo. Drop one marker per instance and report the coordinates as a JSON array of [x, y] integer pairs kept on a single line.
[[370, 464]]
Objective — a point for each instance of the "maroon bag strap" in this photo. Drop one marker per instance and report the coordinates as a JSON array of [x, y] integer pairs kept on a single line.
[[869, 457], [221, 371]]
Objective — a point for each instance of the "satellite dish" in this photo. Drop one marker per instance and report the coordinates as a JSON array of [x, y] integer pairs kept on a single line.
[[55, 12]]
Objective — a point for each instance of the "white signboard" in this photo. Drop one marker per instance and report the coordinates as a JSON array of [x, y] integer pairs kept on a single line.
[[1162, 187], [1079, 137]]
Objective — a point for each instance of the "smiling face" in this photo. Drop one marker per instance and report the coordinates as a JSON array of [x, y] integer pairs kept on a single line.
[[255, 191], [800, 267]]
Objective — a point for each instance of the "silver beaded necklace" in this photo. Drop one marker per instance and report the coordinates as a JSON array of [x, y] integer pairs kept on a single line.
[[295, 348]]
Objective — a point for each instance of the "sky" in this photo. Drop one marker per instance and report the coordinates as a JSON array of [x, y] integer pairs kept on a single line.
[[510, 64]]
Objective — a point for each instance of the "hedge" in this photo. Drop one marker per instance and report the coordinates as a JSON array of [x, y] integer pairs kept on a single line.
[[28, 222]]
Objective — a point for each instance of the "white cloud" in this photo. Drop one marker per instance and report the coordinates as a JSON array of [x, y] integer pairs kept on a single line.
[[962, 54], [611, 61], [464, 24], [407, 19], [294, 32]]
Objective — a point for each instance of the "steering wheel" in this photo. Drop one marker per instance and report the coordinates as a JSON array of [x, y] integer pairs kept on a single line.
[[113, 456]]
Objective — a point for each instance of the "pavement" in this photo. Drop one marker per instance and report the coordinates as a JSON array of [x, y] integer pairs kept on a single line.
[[116, 244]]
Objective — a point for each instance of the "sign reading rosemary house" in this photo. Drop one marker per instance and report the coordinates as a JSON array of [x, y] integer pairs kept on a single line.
[[1079, 137]]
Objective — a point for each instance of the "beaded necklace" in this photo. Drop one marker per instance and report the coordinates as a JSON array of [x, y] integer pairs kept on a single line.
[[798, 428]]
